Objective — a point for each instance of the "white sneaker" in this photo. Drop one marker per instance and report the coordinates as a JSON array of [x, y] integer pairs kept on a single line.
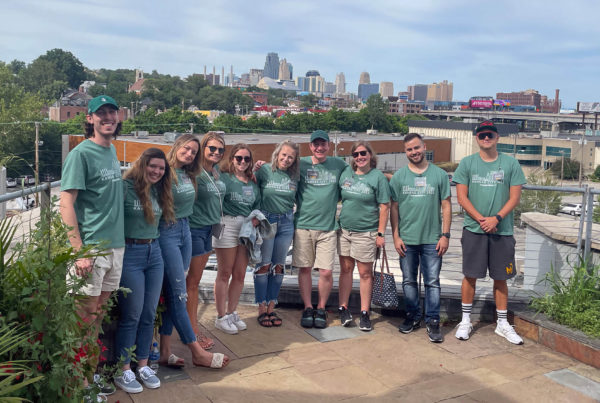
[[463, 330], [504, 329], [237, 322], [224, 324]]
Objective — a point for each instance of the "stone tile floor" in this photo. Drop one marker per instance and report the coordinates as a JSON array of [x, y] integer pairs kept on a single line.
[[288, 364]]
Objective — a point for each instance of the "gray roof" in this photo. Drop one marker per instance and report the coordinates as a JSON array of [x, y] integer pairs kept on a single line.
[[504, 129]]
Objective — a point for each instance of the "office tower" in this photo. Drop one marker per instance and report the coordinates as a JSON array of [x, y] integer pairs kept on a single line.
[[418, 92], [386, 89], [302, 83], [364, 78], [271, 66], [329, 88], [340, 83], [440, 91], [312, 73], [366, 90], [255, 76], [284, 70]]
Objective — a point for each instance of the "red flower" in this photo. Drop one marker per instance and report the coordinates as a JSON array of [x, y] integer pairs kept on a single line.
[[161, 300], [102, 358]]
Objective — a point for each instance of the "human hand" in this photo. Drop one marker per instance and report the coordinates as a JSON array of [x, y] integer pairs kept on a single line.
[[400, 247], [380, 242], [488, 224], [442, 246], [83, 266]]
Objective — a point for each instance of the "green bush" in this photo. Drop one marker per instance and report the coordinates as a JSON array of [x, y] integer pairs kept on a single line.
[[36, 294], [575, 302], [448, 166]]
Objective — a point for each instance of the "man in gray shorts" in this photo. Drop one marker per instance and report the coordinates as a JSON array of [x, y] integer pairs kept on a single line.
[[315, 236], [91, 203], [488, 189]]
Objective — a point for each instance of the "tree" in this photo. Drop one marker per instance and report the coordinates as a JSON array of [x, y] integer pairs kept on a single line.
[[376, 111], [16, 66], [541, 201], [67, 66], [571, 169]]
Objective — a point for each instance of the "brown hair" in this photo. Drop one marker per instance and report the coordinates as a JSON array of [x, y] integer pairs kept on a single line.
[[192, 169], [88, 130], [365, 144], [203, 144], [137, 173], [230, 167], [294, 169]]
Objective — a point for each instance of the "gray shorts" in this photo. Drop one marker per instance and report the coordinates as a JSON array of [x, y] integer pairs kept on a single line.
[[488, 251]]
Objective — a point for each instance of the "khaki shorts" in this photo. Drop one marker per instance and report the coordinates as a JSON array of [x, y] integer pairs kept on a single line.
[[314, 248], [358, 245], [105, 275], [231, 233]]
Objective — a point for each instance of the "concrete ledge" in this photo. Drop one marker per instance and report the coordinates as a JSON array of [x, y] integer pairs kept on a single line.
[[575, 344]]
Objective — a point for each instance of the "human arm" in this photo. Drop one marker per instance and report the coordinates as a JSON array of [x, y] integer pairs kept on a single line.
[[489, 224], [394, 221], [442, 245], [67, 213], [384, 210]]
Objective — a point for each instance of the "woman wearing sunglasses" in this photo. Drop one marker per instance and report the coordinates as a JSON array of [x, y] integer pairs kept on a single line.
[[365, 196], [147, 190], [207, 212], [278, 182], [176, 246], [241, 197]]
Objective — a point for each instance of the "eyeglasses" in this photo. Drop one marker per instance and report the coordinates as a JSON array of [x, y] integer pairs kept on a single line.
[[483, 135], [239, 159], [212, 149], [361, 153]]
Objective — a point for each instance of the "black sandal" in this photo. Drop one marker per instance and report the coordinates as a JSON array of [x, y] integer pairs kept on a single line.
[[275, 318], [263, 319]]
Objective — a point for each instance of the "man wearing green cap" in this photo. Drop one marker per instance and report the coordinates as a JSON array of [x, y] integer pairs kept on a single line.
[[315, 237], [91, 203]]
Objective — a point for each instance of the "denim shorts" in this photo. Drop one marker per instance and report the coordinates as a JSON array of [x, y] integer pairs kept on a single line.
[[201, 240]]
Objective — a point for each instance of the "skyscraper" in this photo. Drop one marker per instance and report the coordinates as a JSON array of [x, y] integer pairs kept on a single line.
[[366, 90], [364, 78], [255, 76], [440, 91], [386, 89], [284, 70], [340, 83], [418, 92], [271, 66]]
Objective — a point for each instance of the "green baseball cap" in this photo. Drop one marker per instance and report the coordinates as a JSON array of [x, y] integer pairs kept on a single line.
[[319, 134], [99, 101]]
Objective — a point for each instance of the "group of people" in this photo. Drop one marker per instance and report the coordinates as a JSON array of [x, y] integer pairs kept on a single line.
[[158, 225]]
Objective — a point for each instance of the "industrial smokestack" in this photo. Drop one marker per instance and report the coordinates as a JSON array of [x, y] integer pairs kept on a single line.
[[222, 75], [556, 103], [231, 76], [214, 80], [205, 71]]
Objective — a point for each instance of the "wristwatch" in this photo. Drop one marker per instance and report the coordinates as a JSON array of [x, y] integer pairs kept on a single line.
[[380, 234], [446, 234], [499, 218]]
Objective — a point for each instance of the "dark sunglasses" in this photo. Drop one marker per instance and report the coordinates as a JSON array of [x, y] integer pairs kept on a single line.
[[239, 159], [483, 135], [212, 149], [361, 153]]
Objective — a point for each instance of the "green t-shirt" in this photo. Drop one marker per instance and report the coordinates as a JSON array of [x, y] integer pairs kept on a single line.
[[207, 207], [489, 187], [240, 198], [94, 171], [184, 194], [419, 198], [318, 193], [136, 225], [361, 197], [278, 190]]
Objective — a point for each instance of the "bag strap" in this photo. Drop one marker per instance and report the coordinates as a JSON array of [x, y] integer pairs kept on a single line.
[[384, 260]]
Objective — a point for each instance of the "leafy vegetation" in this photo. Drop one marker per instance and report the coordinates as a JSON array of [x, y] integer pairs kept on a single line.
[[570, 171], [541, 201], [574, 302]]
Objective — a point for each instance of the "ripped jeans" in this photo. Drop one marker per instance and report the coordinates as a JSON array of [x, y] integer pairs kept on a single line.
[[273, 252], [176, 245]]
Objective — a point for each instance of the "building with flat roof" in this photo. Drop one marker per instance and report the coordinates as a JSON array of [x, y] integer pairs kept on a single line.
[[386, 89], [366, 90]]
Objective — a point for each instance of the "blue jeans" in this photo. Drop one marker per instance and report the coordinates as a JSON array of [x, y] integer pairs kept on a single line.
[[176, 246], [143, 275], [430, 264], [273, 252]]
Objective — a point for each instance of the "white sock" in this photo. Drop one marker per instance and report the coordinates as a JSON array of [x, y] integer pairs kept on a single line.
[[502, 315], [466, 312]]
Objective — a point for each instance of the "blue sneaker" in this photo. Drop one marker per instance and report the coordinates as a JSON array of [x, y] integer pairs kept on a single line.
[[148, 377], [128, 383]]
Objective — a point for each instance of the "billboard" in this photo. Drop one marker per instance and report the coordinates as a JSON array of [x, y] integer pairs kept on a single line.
[[502, 102], [588, 107], [481, 103]]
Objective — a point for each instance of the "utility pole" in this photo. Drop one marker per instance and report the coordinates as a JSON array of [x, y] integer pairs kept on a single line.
[[37, 159], [191, 128], [562, 167], [582, 143]]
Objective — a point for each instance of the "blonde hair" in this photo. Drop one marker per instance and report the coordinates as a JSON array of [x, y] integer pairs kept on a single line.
[[191, 169], [294, 169], [203, 144]]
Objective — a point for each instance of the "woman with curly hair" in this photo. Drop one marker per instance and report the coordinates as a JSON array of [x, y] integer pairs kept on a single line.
[[176, 245]]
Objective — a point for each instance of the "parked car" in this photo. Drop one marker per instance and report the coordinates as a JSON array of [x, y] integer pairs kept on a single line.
[[25, 180], [11, 182], [571, 209]]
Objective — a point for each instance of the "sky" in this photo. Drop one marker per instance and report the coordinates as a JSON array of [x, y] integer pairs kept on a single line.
[[483, 47]]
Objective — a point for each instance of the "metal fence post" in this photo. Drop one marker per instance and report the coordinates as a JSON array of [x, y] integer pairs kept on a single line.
[[588, 227], [45, 196], [582, 218]]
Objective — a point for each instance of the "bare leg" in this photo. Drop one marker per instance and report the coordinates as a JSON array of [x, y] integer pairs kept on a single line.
[[91, 310], [192, 281], [345, 282], [276, 321], [305, 285], [468, 290], [365, 270], [325, 285], [225, 262], [237, 278], [501, 294]]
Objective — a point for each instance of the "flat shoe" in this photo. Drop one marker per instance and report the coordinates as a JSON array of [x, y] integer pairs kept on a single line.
[[216, 362], [275, 319], [173, 362], [205, 342], [264, 320]]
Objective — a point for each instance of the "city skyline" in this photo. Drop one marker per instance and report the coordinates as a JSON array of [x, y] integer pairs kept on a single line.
[[482, 48]]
